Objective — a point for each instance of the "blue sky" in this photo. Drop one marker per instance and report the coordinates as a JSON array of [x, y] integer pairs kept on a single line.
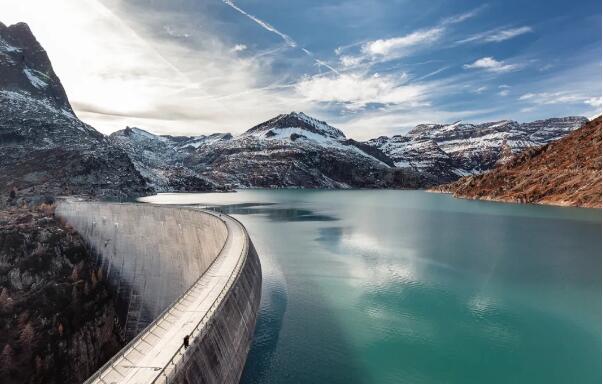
[[368, 67]]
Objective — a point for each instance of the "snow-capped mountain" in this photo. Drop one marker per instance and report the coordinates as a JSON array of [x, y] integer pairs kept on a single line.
[[160, 159], [44, 147], [446, 152], [295, 150], [290, 150]]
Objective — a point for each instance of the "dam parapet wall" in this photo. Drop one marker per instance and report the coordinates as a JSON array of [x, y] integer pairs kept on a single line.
[[177, 272]]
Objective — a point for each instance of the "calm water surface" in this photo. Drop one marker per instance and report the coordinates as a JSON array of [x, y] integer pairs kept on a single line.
[[413, 287]]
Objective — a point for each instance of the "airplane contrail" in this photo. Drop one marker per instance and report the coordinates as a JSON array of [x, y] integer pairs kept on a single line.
[[288, 40]]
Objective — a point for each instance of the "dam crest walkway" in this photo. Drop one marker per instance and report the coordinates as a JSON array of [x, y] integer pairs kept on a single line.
[[155, 354]]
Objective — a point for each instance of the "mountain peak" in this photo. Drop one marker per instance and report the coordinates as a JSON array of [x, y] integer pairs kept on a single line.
[[26, 68], [299, 121]]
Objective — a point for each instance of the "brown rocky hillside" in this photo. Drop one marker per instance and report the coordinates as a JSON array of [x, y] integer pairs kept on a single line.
[[566, 172]]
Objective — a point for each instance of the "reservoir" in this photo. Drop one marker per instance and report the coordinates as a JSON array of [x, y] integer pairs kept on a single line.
[[367, 286]]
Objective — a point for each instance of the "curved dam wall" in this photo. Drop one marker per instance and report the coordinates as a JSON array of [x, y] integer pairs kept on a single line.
[[220, 355], [176, 272]]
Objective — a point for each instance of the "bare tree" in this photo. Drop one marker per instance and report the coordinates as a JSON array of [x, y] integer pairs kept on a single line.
[[6, 358], [27, 336], [4, 297]]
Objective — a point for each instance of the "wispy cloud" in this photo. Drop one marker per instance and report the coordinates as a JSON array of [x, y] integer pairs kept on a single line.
[[463, 16], [496, 35], [399, 46], [491, 65], [504, 90], [560, 97], [393, 48], [480, 90], [507, 34]]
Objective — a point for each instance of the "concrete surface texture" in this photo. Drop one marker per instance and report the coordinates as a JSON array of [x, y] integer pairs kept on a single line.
[[179, 273]]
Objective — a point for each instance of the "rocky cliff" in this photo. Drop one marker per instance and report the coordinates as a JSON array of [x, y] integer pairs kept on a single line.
[[565, 172], [57, 315]]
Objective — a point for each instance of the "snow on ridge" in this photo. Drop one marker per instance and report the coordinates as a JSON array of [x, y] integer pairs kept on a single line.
[[6, 47], [34, 78], [500, 123], [142, 134], [15, 97], [320, 125]]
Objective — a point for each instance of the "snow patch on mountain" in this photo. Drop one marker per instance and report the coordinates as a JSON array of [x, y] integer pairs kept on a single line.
[[34, 78]]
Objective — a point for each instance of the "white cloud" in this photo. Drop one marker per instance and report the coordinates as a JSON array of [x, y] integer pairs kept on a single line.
[[350, 61], [593, 102], [239, 48], [497, 35], [491, 65], [357, 91]]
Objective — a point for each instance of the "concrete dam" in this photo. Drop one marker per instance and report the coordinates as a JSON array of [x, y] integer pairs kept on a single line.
[[178, 273]]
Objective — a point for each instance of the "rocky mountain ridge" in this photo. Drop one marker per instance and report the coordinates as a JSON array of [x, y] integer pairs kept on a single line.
[[296, 150], [447, 152], [288, 151], [564, 172]]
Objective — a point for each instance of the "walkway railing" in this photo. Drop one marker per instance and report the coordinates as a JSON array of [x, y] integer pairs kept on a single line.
[[166, 373]]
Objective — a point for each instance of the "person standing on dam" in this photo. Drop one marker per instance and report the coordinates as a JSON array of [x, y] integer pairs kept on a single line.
[[186, 341]]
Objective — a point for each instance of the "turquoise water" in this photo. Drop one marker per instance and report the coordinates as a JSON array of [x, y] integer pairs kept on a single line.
[[413, 287]]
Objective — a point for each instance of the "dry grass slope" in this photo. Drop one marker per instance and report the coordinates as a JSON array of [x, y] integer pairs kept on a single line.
[[566, 172]]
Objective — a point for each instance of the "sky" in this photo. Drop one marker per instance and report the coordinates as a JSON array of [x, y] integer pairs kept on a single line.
[[370, 68]]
